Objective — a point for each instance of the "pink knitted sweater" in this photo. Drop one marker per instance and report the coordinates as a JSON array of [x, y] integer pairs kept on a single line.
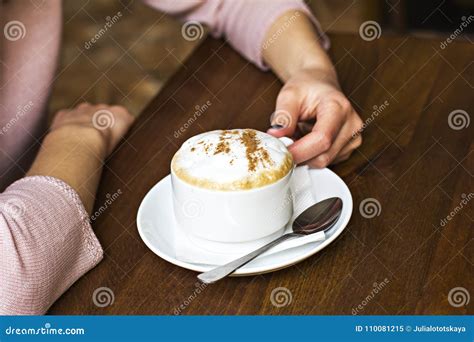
[[46, 240]]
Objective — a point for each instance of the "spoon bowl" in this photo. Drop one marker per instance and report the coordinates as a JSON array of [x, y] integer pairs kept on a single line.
[[318, 217]]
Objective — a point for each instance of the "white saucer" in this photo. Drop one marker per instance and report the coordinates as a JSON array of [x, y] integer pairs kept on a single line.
[[156, 222]]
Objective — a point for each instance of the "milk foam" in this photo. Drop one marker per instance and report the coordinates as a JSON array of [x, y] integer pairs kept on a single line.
[[232, 159]]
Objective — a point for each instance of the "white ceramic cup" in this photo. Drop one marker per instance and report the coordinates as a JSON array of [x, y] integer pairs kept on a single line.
[[233, 216]]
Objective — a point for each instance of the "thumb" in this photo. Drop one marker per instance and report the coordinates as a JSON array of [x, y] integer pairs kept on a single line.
[[285, 118]]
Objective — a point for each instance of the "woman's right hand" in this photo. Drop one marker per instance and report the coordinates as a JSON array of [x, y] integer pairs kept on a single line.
[[101, 124]]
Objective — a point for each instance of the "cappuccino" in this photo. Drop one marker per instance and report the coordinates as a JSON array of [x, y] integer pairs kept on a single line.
[[229, 160]]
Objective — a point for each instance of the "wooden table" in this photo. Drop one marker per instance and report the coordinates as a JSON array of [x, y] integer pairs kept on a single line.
[[412, 163]]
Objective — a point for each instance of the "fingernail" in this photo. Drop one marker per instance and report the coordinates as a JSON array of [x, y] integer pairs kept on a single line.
[[277, 126]]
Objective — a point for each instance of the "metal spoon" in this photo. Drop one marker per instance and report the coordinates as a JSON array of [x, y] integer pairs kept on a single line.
[[319, 217]]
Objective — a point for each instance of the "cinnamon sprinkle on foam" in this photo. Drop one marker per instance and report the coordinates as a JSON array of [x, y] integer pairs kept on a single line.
[[223, 145], [254, 152]]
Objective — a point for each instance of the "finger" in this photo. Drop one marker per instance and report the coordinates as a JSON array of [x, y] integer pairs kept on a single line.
[[343, 145], [353, 144], [123, 120], [83, 105], [61, 113], [120, 111], [58, 118], [347, 150], [285, 117], [355, 141], [330, 120], [342, 157]]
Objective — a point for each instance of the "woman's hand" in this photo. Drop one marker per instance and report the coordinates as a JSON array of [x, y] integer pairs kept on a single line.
[[108, 123], [78, 141], [312, 95]]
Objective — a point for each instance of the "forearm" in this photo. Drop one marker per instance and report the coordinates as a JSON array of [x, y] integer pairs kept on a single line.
[[293, 45], [47, 241], [74, 156]]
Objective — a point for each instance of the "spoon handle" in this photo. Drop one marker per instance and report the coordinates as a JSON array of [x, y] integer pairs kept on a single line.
[[222, 271]]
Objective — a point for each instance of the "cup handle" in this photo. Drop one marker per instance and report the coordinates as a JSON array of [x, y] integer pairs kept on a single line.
[[286, 141]]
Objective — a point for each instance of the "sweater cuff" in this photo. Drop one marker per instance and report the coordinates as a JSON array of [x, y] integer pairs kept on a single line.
[[93, 246]]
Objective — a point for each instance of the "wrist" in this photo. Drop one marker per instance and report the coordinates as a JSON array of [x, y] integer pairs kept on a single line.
[[319, 65], [321, 74], [73, 154], [85, 138], [295, 49], [312, 57]]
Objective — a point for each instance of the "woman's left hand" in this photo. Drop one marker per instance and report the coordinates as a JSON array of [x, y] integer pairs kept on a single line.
[[312, 94]]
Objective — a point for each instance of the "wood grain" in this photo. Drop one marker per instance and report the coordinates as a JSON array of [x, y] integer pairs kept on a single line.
[[411, 162]]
